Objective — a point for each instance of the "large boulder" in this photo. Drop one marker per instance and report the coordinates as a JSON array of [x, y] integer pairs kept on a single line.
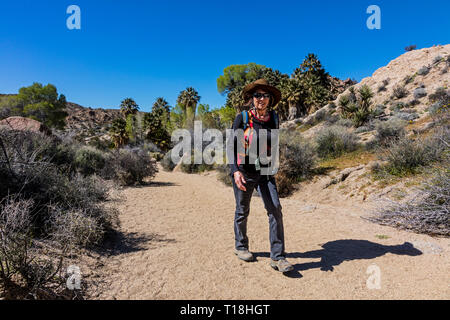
[[24, 124]]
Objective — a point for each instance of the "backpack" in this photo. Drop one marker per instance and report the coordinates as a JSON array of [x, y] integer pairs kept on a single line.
[[248, 131]]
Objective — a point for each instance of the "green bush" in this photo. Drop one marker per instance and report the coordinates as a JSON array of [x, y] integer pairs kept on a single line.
[[26, 169], [407, 156], [399, 92], [297, 159], [389, 130], [89, 160], [130, 166], [423, 71], [333, 141]]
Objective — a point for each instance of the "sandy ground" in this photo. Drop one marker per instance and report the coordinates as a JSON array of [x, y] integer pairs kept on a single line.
[[177, 243]]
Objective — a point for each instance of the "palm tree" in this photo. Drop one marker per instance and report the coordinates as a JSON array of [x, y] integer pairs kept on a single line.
[[162, 104], [188, 100], [128, 106], [118, 132]]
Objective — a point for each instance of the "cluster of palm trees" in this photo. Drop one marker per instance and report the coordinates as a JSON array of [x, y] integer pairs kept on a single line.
[[157, 123]]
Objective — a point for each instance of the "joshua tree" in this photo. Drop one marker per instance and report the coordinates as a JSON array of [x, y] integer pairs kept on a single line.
[[315, 81], [357, 109], [292, 96], [235, 100]]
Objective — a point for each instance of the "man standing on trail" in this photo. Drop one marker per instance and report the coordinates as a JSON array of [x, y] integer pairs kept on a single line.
[[247, 174]]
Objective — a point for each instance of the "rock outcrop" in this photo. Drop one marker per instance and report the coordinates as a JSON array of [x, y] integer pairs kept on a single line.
[[24, 124]]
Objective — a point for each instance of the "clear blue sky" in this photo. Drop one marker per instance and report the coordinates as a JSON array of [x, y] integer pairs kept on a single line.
[[146, 49]]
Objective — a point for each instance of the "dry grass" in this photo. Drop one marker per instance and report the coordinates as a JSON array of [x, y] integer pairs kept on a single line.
[[348, 160]]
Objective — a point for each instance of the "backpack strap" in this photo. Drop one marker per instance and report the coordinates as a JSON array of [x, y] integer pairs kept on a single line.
[[245, 119], [275, 119]]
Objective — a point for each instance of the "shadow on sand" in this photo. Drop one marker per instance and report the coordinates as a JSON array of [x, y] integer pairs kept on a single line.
[[118, 242], [338, 251], [157, 184]]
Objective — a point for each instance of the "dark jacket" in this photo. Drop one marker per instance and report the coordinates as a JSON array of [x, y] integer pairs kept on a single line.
[[247, 167]]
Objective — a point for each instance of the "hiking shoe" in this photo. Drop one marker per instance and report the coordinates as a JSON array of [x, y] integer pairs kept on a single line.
[[244, 255], [281, 265]]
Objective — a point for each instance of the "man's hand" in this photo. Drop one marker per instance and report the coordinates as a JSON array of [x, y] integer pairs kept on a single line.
[[239, 180]]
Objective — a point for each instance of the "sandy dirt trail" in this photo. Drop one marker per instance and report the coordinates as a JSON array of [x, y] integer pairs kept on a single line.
[[178, 243]]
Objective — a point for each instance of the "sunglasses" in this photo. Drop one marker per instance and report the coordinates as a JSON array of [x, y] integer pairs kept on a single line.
[[258, 95]]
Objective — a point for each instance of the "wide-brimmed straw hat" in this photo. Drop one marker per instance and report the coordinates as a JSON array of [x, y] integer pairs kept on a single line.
[[263, 85]]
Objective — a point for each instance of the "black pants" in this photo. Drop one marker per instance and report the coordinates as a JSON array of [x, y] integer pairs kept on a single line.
[[267, 189]]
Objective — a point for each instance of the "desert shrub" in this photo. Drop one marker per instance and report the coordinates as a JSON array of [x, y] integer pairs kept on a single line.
[[434, 108], [408, 79], [399, 92], [74, 228], [383, 85], [427, 213], [419, 93], [333, 118], [406, 155], [407, 116], [411, 47], [389, 130], [167, 162], [89, 160], [379, 110], [439, 110], [334, 141], [362, 129], [224, 174], [130, 166], [423, 71], [396, 106], [437, 59], [56, 210], [344, 123], [297, 159], [27, 170], [24, 262], [413, 103], [101, 144], [440, 96]]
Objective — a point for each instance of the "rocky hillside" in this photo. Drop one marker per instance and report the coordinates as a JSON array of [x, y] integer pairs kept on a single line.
[[81, 118], [409, 80], [403, 89], [88, 122]]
